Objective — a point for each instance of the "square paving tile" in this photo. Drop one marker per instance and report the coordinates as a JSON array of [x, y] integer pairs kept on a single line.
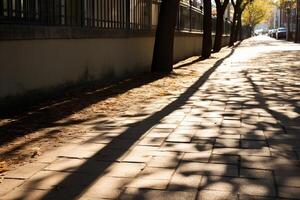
[[259, 187], [137, 194]]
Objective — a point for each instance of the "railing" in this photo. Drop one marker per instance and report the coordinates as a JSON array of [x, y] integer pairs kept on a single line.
[[106, 14], [190, 18], [99, 14]]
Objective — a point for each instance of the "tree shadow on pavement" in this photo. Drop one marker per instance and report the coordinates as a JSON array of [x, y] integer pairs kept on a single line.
[[132, 134]]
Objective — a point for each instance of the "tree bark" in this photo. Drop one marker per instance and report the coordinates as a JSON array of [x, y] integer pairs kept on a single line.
[[236, 6], [220, 24], [238, 31], [232, 31], [162, 60], [207, 30]]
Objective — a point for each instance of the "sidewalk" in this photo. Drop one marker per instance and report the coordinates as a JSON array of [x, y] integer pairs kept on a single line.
[[232, 134]]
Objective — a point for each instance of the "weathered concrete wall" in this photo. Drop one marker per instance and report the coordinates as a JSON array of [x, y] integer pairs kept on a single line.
[[28, 65]]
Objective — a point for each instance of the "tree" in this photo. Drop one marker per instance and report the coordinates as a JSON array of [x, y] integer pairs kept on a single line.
[[221, 8], [236, 5], [164, 40], [238, 33], [236, 27], [257, 12], [207, 30]]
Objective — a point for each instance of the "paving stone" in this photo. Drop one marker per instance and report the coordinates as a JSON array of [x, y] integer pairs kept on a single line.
[[52, 155], [124, 170], [24, 194], [140, 154], [78, 165], [290, 180], [277, 135], [111, 155], [230, 143], [25, 171], [232, 115], [45, 180], [234, 131], [242, 152], [208, 133], [180, 138], [289, 192], [106, 188], [224, 159], [156, 173], [7, 185], [164, 161], [139, 157], [172, 119], [207, 168], [276, 153], [166, 126], [201, 156], [253, 144], [256, 173], [137, 194], [254, 197], [65, 164], [259, 187], [181, 181], [100, 139], [231, 123], [155, 134], [229, 136], [140, 182], [185, 147], [284, 144], [254, 135], [211, 122], [216, 195], [211, 114], [155, 141], [83, 151], [161, 130]]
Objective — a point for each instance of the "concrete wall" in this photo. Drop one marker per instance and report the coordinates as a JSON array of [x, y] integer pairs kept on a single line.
[[28, 65]]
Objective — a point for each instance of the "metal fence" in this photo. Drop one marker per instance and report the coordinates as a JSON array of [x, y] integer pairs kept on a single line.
[[190, 18], [112, 14], [102, 14]]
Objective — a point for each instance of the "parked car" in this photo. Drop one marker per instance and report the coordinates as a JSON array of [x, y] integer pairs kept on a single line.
[[281, 33], [272, 33]]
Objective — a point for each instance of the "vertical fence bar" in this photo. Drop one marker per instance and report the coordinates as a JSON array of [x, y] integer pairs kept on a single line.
[[115, 14], [190, 15], [127, 14], [9, 9], [1, 8], [150, 3]]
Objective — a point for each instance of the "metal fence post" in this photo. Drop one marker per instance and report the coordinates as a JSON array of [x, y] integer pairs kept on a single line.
[[191, 15], [150, 3], [82, 15], [127, 6]]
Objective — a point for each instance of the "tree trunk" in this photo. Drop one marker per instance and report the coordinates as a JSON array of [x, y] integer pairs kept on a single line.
[[164, 40], [238, 30], [233, 28], [207, 30], [220, 24]]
